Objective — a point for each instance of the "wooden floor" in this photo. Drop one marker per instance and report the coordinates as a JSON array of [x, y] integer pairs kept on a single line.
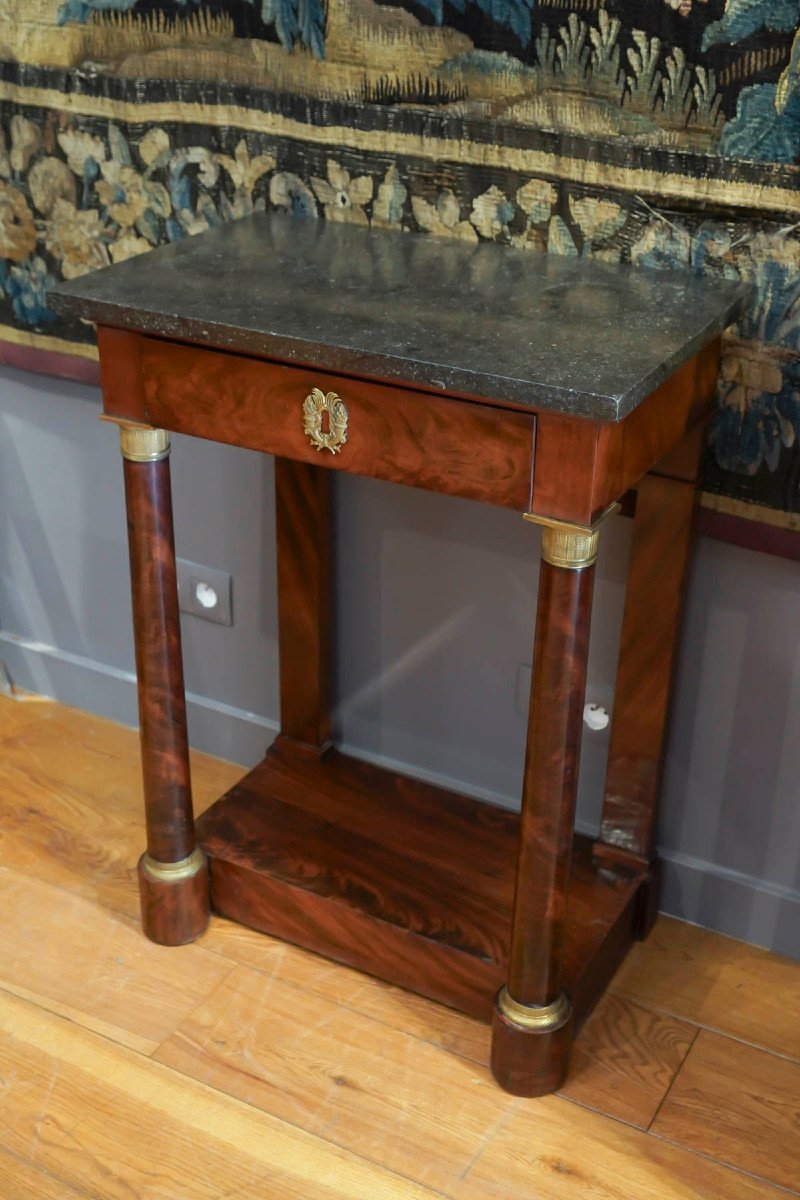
[[244, 1068]]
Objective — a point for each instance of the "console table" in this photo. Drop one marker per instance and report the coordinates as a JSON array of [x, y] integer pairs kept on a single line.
[[550, 386]]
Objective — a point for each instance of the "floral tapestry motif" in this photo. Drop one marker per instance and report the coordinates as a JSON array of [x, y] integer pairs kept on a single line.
[[664, 133]]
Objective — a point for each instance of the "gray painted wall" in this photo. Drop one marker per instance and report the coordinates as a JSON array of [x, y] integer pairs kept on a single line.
[[434, 607]]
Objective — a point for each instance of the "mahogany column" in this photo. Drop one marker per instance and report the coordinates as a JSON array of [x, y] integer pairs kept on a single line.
[[533, 1017], [173, 874], [663, 535], [302, 518]]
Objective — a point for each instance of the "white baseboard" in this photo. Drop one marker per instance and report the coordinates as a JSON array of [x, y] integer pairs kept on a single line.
[[217, 728]]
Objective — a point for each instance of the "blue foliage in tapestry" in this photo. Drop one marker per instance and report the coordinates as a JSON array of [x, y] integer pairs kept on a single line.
[[759, 413], [294, 21], [26, 286], [762, 128], [746, 439], [81, 10], [767, 121], [513, 14], [743, 17]]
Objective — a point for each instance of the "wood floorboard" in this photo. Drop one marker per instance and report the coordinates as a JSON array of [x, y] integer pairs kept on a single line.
[[70, 802], [18, 715], [98, 757], [366, 1087], [554, 1150], [115, 1125], [59, 834], [726, 985], [20, 1181], [287, 1076], [737, 1104], [625, 1060], [360, 994], [72, 958]]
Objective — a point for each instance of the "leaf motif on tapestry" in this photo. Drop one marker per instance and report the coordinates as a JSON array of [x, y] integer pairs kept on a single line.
[[743, 17], [511, 14], [295, 20]]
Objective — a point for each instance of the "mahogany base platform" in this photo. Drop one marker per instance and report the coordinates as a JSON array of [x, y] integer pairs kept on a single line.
[[401, 879]]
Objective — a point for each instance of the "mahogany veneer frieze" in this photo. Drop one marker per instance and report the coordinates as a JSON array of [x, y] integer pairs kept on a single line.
[[392, 433]]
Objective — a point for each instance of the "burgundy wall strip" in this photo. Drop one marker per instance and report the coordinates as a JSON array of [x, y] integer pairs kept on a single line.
[[752, 535], [50, 362]]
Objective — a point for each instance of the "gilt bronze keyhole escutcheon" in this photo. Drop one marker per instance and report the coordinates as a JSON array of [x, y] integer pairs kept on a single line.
[[325, 420]]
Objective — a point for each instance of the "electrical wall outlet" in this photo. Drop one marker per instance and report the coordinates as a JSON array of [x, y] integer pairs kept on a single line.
[[205, 592]]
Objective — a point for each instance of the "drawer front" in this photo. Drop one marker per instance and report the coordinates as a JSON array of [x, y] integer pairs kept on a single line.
[[416, 438]]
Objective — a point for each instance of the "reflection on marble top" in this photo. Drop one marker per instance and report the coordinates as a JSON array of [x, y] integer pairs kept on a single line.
[[487, 321]]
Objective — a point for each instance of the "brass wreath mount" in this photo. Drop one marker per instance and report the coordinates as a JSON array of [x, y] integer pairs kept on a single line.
[[325, 420]]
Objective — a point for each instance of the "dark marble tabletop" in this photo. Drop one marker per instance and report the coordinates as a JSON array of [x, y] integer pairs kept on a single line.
[[530, 330]]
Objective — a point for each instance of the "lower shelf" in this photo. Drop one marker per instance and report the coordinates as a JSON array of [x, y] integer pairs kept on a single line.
[[399, 879]]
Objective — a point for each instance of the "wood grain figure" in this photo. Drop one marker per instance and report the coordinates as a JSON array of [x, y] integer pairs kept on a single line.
[[174, 912], [302, 524], [738, 1104], [393, 433], [657, 574]]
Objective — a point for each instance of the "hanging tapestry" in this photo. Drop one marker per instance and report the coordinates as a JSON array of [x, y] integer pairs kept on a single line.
[[665, 133]]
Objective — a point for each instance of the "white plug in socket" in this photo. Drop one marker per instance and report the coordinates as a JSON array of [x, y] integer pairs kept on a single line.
[[206, 595], [595, 717], [205, 592]]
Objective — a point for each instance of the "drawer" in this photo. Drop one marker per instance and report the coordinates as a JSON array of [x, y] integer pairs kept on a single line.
[[418, 438]]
